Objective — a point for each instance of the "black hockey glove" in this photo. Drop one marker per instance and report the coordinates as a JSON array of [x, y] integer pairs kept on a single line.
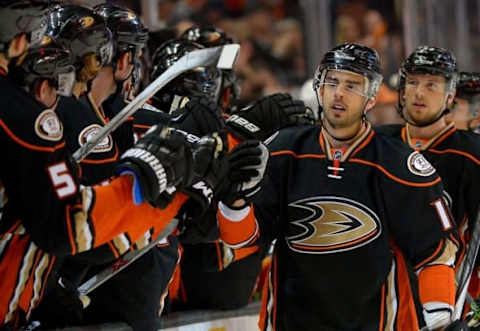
[[458, 325], [62, 306], [207, 171], [199, 117], [246, 165], [268, 115], [161, 159]]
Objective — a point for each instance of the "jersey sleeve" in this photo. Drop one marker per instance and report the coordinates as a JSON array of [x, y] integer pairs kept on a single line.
[[420, 224]]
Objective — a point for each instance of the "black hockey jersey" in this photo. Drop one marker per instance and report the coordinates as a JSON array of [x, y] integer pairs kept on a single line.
[[83, 120], [337, 215]]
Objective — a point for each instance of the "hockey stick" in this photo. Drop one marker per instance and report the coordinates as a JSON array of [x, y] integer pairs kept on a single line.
[[466, 269], [223, 57], [124, 261]]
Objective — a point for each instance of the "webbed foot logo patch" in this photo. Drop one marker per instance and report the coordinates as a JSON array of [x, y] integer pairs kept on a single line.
[[332, 224]]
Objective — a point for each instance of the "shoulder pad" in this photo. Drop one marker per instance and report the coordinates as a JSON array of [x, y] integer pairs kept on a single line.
[[392, 130], [401, 161], [25, 118], [295, 138]]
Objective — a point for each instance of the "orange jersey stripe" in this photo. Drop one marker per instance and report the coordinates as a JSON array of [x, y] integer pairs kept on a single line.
[[436, 283], [382, 309], [142, 126], [395, 178], [428, 259], [28, 145], [455, 151], [298, 156], [9, 270], [407, 315]]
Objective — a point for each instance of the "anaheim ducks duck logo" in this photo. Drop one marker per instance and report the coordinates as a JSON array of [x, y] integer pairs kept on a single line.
[[89, 132], [332, 224]]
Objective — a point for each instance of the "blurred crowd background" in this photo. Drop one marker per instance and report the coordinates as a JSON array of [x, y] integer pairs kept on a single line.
[[282, 40]]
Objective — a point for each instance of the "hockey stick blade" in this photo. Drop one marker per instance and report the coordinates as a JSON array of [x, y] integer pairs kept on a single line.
[[466, 269], [222, 57], [124, 261]]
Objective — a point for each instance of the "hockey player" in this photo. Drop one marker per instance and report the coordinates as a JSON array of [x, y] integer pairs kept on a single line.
[[48, 213], [465, 112], [427, 87], [338, 200]]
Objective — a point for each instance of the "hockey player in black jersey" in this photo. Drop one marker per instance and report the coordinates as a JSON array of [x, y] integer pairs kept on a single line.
[[427, 88], [48, 214], [466, 105], [339, 200]]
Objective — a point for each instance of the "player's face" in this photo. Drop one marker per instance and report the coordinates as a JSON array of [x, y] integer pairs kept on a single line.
[[461, 114], [343, 99], [425, 97]]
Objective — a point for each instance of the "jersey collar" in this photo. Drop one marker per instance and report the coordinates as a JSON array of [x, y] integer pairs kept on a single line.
[[359, 143], [434, 141]]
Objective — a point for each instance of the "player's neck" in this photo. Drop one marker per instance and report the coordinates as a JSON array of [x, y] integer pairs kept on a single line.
[[336, 136], [103, 86], [79, 88], [427, 132], [3, 63]]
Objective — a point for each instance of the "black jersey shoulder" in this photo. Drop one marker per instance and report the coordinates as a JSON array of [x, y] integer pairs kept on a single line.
[[296, 139], [398, 161], [24, 118], [462, 142], [392, 130]]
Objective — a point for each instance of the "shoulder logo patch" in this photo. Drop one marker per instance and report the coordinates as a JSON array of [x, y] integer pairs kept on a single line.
[[418, 165], [331, 224], [89, 132], [48, 126]]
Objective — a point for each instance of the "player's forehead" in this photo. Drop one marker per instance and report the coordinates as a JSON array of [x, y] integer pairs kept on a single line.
[[425, 77], [345, 76]]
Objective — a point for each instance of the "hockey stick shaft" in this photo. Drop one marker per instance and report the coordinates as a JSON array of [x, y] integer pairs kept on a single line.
[[223, 57], [125, 260], [466, 269]]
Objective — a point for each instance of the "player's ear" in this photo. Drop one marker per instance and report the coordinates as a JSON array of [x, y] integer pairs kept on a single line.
[[18, 46], [41, 90], [370, 104]]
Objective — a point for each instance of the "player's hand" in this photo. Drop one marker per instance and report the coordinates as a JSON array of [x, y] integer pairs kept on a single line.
[[161, 159], [208, 169], [246, 165], [199, 113], [268, 115]]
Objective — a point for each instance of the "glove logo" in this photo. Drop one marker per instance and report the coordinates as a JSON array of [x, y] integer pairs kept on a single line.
[[89, 132], [326, 225]]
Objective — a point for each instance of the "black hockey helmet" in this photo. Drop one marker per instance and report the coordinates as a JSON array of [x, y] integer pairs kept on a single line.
[[50, 62], [129, 33], [433, 61], [22, 17], [468, 85], [210, 36], [82, 32], [205, 81], [359, 59]]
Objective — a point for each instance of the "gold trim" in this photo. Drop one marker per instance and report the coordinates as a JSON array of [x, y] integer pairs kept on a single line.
[[429, 142]]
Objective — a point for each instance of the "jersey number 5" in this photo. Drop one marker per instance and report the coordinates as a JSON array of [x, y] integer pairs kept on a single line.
[[62, 180]]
